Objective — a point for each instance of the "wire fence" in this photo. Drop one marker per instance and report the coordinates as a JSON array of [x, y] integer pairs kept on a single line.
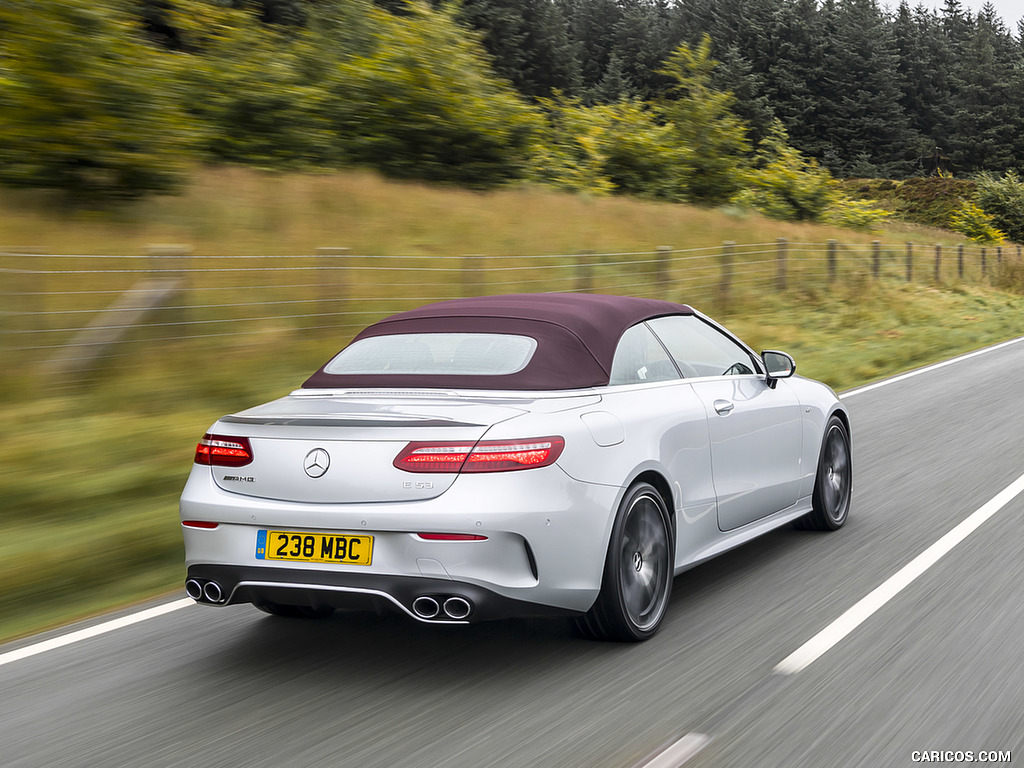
[[72, 312]]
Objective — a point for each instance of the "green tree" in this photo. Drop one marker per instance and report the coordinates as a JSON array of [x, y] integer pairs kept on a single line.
[[425, 105], [86, 106], [711, 140], [529, 43]]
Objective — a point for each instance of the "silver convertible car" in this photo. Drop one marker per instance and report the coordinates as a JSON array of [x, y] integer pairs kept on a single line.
[[531, 454]]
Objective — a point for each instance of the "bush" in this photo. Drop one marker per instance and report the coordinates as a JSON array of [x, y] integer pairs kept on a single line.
[[87, 107], [784, 184], [1003, 200], [972, 222], [424, 104]]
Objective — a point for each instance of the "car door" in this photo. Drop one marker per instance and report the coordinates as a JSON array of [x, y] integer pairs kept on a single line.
[[755, 429]]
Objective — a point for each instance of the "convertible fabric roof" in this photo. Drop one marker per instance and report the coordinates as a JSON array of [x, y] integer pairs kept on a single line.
[[576, 336]]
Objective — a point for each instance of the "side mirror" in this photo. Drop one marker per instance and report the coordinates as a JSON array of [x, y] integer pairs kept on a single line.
[[778, 364]]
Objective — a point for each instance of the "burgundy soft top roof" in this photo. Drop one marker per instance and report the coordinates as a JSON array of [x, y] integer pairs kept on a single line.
[[576, 336]]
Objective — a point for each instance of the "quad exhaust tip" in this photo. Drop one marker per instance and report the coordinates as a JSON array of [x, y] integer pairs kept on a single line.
[[442, 607], [194, 589], [213, 592], [457, 607], [209, 591], [426, 607]]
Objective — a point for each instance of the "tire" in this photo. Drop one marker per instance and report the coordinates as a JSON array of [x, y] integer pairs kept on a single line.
[[294, 611], [638, 571], [833, 482]]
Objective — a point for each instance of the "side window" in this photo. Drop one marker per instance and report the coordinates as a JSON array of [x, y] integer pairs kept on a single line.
[[640, 358], [700, 349]]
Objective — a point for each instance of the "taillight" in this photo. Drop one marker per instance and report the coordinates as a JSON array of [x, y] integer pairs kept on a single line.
[[485, 456], [201, 524], [222, 451]]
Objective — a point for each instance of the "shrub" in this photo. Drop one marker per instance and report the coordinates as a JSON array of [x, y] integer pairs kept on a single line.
[[86, 106], [424, 104], [1003, 200], [972, 222]]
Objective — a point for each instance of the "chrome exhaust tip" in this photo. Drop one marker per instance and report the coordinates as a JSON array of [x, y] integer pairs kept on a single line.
[[426, 607], [457, 607], [213, 592], [194, 589]]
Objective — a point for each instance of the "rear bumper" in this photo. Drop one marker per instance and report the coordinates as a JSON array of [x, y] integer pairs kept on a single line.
[[546, 536], [360, 591]]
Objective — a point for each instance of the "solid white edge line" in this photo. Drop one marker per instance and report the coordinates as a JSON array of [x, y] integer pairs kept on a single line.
[[99, 629], [928, 368], [677, 753], [861, 611]]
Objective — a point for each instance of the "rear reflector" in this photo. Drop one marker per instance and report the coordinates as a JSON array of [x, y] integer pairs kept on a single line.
[[199, 524], [485, 456], [451, 537], [222, 451]]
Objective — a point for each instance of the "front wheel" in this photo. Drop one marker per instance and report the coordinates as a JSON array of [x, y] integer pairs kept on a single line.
[[638, 571], [830, 503]]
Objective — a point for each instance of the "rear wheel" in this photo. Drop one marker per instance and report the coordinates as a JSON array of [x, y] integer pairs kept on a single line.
[[294, 611], [830, 503], [637, 577]]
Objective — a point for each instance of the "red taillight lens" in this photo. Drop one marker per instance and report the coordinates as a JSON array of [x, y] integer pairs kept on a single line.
[[202, 524], [222, 451], [433, 457], [485, 456], [505, 455]]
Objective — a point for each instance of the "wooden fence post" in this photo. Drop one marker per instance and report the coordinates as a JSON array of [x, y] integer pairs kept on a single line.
[[781, 256], [661, 259], [876, 258], [725, 281], [910, 261], [938, 262], [584, 271], [470, 274], [984, 261], [960, 261], [168, 263], [333, 283], [832, 260]]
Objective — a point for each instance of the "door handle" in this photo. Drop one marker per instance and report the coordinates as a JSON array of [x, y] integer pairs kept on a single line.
[[722, 407]]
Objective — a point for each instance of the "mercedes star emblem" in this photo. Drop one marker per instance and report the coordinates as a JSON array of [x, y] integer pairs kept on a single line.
[[316, 462]]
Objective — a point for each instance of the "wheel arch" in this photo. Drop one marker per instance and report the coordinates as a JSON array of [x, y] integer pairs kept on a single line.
[[662, 485]]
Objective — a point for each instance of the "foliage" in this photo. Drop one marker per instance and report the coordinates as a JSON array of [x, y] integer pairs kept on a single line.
[[929, 201], [864, 215], [1002, 198], [972, 222], [711, 139], [254, 89], [784, 184], [86, 106], [569, 151], [424, 105]]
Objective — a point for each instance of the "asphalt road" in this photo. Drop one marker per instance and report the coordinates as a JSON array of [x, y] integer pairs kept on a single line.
[[938, 667]]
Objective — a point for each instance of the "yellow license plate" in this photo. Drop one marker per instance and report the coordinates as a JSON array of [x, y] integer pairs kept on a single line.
[[314, 547]]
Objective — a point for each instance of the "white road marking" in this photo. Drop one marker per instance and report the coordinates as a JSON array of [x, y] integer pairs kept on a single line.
[[855, 616], [99, 629], [927, 368], [677, 753]]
